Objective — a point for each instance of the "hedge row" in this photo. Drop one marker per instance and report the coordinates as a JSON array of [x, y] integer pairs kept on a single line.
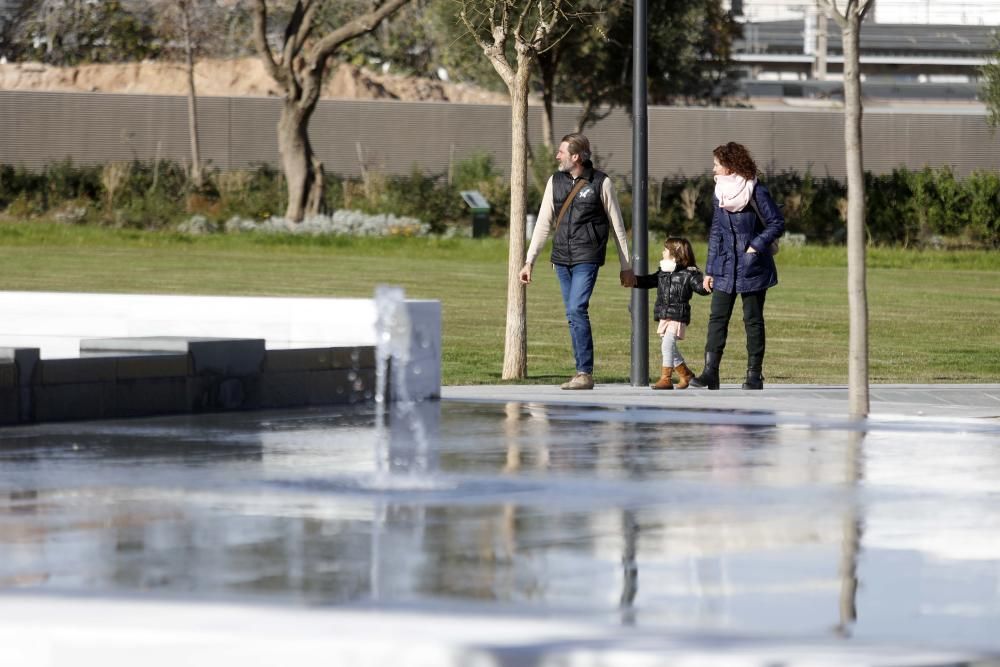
[[908, 208]]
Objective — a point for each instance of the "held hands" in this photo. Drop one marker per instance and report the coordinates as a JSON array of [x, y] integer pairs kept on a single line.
[[627, 277], [707, 283]]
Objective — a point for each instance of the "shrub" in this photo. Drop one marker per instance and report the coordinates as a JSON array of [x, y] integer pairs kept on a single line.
[[478, 172], [429, 198], [983, 223], [908, 208]]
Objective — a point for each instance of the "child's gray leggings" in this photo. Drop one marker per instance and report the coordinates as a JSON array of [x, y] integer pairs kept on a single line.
[[671, 355]]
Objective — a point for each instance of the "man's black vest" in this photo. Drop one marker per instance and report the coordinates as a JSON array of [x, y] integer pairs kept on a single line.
[[582, 236]]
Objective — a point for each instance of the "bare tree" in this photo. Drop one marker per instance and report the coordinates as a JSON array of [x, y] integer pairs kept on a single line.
[[189, 26], [299, 68], [526, 27], [186, 9], [849, 14]]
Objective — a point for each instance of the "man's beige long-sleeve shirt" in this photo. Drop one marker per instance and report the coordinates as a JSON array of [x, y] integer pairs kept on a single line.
[[547, 216]]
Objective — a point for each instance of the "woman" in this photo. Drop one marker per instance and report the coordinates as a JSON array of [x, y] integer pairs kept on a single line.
[[740, 260]]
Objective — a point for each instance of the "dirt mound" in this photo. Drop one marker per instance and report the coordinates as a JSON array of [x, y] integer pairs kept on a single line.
[[232, 78]]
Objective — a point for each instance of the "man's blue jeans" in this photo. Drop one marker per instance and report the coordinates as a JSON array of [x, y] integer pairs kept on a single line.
[[577, 283]]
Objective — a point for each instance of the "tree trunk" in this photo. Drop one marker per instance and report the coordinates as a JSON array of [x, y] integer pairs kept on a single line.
[[515, 357], [197, 178], [303, 170], [857, 291]]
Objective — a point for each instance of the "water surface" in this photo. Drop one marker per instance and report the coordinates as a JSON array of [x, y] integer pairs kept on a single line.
[[742, 524]]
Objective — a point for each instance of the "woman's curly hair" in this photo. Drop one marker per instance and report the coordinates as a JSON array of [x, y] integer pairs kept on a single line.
[[736, 158]]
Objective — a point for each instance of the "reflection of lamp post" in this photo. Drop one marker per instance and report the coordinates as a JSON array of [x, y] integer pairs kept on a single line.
[[640, 168], [630, 568], [630, 538]]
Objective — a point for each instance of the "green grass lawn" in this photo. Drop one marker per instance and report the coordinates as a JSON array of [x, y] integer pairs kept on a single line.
[[935, 315]]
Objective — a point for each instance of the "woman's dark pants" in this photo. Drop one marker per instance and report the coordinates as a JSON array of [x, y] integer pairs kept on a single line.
[[753, 321]]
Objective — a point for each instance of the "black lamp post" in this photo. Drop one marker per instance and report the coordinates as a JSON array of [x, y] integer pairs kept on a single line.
[[640, 198]]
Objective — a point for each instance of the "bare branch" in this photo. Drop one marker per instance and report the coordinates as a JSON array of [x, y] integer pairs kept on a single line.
[[831, 8], [555, 42], [355, 28], [308, 22], [546, 26], [260, 39], [294, 24], [519, 26], [463, 15], [864, 7], [496, 51]]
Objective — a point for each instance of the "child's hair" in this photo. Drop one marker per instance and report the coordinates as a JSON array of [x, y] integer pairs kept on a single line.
[[681, 250]]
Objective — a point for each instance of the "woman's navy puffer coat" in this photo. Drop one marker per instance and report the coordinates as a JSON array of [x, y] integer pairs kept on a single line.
[[732, 268]]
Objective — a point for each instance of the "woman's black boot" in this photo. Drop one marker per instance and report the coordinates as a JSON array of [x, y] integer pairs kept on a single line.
[[709, 378], [755, 379]]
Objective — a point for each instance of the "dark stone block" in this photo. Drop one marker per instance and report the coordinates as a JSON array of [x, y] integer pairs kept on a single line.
[[10, 405], [63, 402], [208, 393], [154, 366], [320, 358], [311, 359], [227, 358], [284, 390], [150, 396], [26, 359], [77, 371], [350, 358], [8, 374]]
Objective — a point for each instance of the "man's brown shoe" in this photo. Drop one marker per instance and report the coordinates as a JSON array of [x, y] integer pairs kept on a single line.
[[580, 381]]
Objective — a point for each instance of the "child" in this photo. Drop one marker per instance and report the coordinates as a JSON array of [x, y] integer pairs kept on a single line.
[[677, 278]]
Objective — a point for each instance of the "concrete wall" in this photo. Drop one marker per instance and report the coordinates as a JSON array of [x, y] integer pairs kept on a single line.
[[37, 129]]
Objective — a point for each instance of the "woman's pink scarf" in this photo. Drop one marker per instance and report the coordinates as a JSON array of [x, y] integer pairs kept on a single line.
[[733, 191]]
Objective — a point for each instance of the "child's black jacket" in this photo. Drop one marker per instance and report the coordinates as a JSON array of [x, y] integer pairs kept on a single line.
[[673, 292]]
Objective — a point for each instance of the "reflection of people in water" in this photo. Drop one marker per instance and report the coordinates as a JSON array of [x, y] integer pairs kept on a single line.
[[727, 454], [526, 423]]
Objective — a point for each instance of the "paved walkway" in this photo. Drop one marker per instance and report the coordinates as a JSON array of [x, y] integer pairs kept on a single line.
[[942, 401]]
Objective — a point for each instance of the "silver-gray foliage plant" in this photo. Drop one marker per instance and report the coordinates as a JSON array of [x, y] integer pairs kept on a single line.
[[342, 222]]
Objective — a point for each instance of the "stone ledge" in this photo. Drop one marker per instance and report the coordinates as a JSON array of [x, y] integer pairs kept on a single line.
[[212, 375]]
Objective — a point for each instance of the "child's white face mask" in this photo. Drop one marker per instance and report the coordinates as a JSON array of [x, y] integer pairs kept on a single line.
[[667, 264]]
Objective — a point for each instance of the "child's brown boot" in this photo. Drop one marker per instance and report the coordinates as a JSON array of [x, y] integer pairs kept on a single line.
[[685, 376], [664, 382]]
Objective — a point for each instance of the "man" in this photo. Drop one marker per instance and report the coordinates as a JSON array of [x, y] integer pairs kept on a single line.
[[581, 203]]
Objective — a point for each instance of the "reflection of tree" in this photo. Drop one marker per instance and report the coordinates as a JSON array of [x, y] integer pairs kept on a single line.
[[851, 544]]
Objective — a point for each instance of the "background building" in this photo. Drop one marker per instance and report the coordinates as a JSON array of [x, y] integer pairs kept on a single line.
[[910, 49]]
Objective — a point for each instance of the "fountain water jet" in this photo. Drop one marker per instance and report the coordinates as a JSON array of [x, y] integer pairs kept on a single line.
[[402, 439]]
